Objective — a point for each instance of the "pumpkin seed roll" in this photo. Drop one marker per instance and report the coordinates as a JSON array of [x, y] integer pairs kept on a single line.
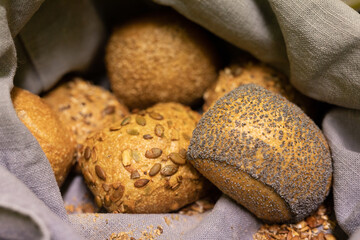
[[138, 165]]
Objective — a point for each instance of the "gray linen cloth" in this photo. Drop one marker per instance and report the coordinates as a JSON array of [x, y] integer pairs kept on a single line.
[[315, 42]]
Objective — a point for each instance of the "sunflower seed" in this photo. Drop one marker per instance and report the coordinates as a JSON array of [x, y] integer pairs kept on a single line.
[[98, 201], [88, 177], [125, 121], [141, 183], [126, 158], [169, 170], [132, 131], [174, 135], [134, 175], [114, 128], [87, 153], [107, 201], [182, 153], [155, 169], [140, 120], [108, 110], [100, 172], [177, 159], [147, 136], [106, 187], [118, 193], [159, 130], [153, 153], [135, 155], [156, 116]]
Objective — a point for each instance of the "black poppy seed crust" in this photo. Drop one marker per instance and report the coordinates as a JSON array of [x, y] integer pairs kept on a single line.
[[254, 131]]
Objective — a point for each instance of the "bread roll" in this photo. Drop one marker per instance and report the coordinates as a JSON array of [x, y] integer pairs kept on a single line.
[[264, 152], [54, 138], [160, 58], [138, 165], [84, 107]]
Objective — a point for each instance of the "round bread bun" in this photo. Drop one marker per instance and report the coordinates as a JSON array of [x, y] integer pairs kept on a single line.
[[264, 152], [248, 72], [54, 138], [160, 58], [84, 107], [138, 165]]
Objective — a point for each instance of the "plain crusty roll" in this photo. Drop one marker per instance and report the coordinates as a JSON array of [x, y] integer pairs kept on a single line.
[[138, 165], [264, 152], [54, 138], [160, 57]]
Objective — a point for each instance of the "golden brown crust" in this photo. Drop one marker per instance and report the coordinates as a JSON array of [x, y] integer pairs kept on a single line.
[[160, 58], [138, 164], [55, 139], [84, 107], [248, 72], [268, 139]]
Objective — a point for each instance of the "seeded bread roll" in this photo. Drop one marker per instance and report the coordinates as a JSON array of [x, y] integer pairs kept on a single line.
[[264, 152], [160, 58], [54, 138], [84, 107], [138, 165], [251, 71]]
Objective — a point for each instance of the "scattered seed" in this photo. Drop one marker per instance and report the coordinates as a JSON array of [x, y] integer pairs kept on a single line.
[[125, 121], [141, 183], [156, 116], [153, 153], [134, 175], [159, 130], [182, 153], [126, 157], [106, 187], [108, 110], [160, 229], [155, 169], [147, 136], [87, 153], [169, 170], [140, 120], [100, 172], [98, 201], [177, 159], [132, 131]]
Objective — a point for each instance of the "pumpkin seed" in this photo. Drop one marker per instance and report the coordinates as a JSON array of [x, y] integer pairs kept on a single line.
[[125, 121], [100, 172], [155, 169], [140, 120], [159, 130], [153, 153], [156, 116], [132, 131], [169, 170], [177, 159], [141, 183]]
